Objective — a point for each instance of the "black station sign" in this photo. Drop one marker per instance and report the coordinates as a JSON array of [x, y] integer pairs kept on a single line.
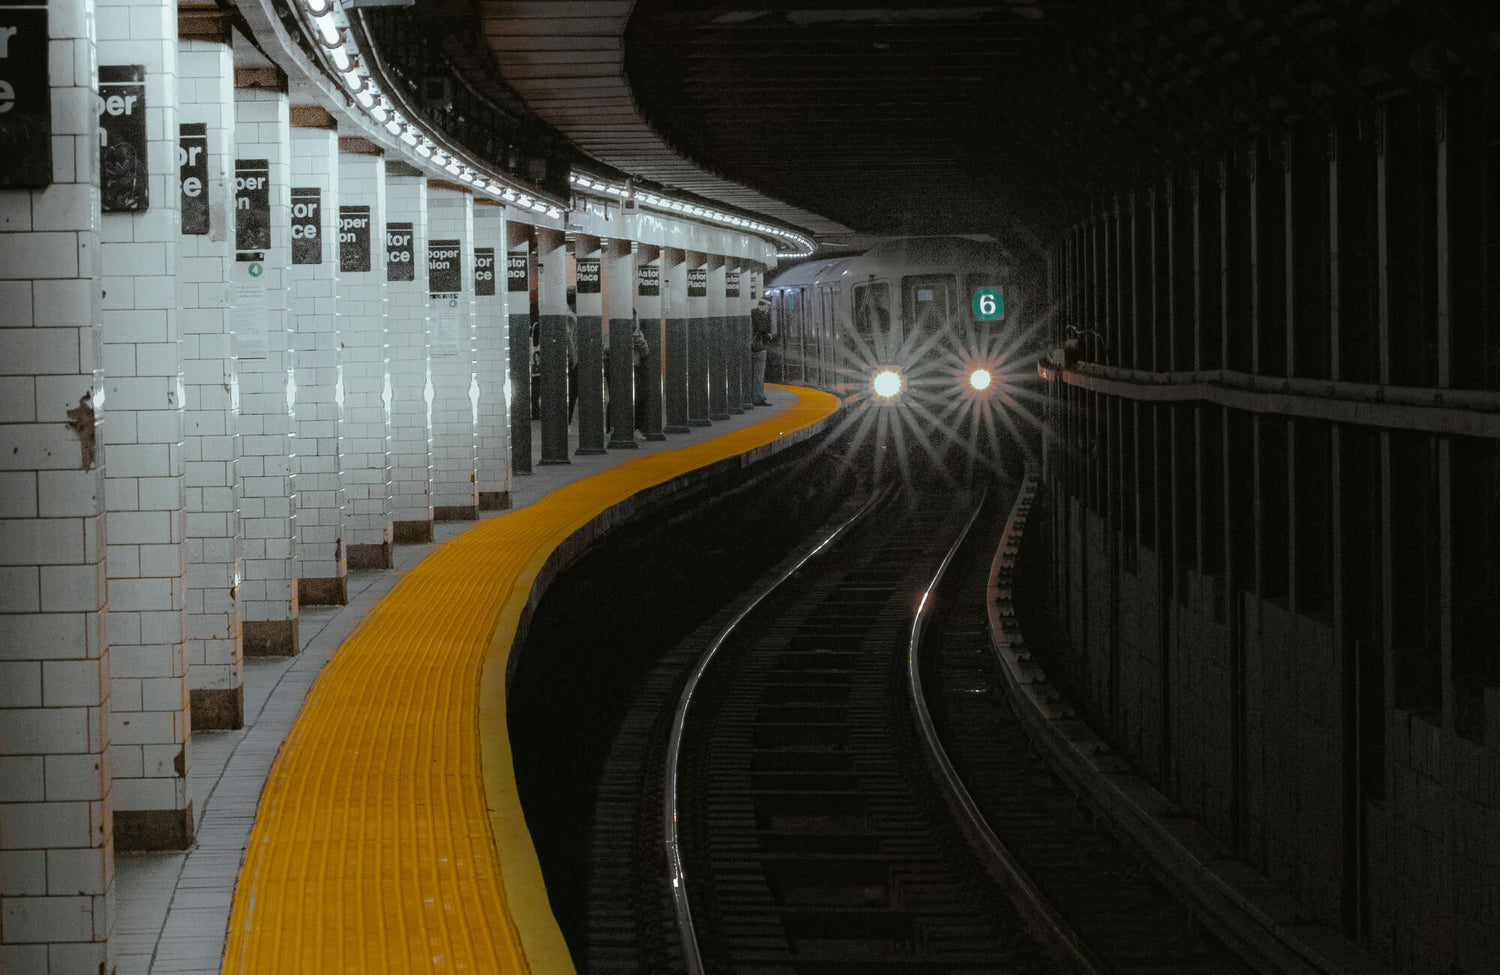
[[698, 282], [25, 96], [484, 271], [731, 284], [444, 266], [588, 275], [516, 273], [354, 238], [398, 252], [123, 170], [648, 281], [307, 222], [252, 205], [192, 167]]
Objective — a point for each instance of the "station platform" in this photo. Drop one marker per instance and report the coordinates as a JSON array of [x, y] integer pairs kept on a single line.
[[366, 817]]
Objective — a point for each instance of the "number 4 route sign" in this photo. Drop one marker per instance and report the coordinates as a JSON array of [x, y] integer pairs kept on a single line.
[[989, 304]]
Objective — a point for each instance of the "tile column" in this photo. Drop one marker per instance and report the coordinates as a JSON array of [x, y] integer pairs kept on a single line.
[[406, 331], [205, 257], [323, 567], [590, 302], [697, 340], [455, 393], [736, 335], [365, 430], [618, 277], [674, 289], [140, 196], [648, 305], [519, 267], [263, 352], [718, 340], [552, 267], [491, 356], [56, 858], [752, 286]]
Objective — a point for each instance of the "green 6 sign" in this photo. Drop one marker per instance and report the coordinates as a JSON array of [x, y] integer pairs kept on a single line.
[[989, 304]]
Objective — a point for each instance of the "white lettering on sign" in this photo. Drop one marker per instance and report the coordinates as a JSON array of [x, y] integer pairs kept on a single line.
[[304, 209], [250, 182], [445, 255], [188, 156], [120, 104], [353, 223], [192, 186], [304, 231], [7, 90]]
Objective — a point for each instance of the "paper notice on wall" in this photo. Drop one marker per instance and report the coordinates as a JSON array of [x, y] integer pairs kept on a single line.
[[251, 312], [445, 319]]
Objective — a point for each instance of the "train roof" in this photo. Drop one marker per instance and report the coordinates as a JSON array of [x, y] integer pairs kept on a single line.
[[906, 255]]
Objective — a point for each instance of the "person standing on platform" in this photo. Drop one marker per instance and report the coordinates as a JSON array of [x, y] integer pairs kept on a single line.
[[760, 341]]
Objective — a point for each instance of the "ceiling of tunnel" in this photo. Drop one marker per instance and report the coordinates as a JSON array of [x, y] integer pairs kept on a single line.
[[886, 118]]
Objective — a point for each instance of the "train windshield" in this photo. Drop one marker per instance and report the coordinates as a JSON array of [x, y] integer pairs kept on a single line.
[[929, 302], [871, 306]]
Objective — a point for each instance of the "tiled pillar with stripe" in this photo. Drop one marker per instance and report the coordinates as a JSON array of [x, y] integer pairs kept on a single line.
[[648, 305], [323, 568], [263, 357], [205, 255], [450, 287], [737, 333], [674, 273], [520, 264], [552, 277], [406, 333], [590, 303], [718, 341], [697, 339], [56, 883], [491, 357], [365, 431], [140, 196], [619, 309]]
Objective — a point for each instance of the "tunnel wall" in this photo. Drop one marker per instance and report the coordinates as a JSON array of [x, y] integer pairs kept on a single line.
[[1273, 483]]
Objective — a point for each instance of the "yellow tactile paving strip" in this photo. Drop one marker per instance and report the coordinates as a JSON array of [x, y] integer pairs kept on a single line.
[[389, 837]]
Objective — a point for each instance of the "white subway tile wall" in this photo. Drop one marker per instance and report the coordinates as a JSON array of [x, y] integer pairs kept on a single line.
[[267, 384], [365, 430], [407, 331], [56, 864], [450, 217], [210, 383], [144, 397], [315, 336], [491, 355]]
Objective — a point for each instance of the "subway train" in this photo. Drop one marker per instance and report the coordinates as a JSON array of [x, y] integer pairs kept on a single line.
[[928, 340]]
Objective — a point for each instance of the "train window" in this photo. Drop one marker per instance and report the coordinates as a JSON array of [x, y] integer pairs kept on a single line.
[[871, 308], [929, 301]]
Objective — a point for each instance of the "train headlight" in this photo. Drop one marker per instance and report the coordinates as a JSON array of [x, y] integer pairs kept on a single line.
[[887, 384], [979, 380]]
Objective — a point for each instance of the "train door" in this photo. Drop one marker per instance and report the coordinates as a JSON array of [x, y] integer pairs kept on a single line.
[[785, 350], [830, 298], [928, 303]]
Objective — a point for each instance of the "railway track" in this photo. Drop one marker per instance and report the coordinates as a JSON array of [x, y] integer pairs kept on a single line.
[[805, 821]]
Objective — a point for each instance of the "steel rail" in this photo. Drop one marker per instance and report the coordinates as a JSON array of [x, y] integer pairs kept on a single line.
[[692, 957], [1045, 922]]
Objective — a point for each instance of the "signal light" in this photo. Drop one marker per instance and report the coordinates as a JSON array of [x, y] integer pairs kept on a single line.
[[980, 379]]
